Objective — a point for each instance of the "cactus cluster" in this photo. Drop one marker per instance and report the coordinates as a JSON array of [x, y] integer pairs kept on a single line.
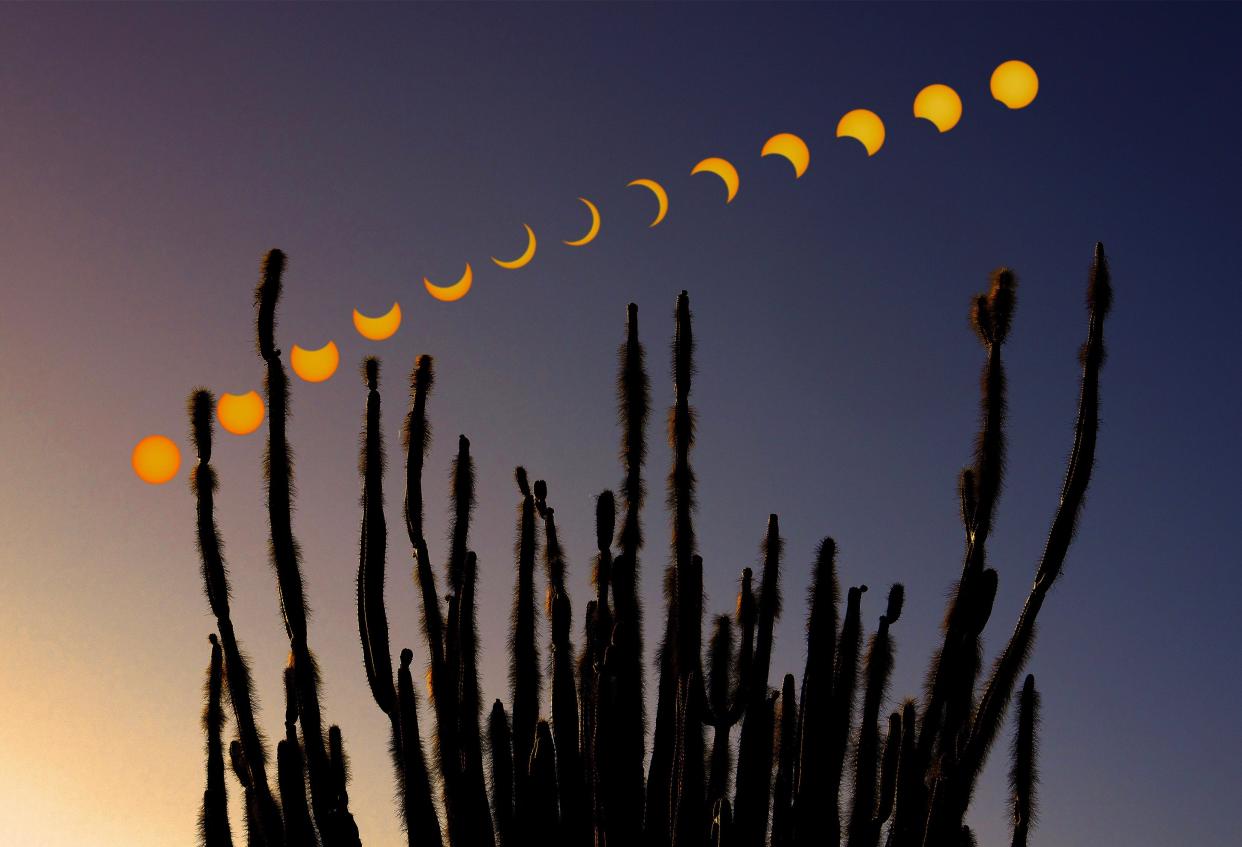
[[567, 763]]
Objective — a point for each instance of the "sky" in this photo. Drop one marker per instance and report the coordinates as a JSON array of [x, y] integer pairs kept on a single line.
[[151, 154]]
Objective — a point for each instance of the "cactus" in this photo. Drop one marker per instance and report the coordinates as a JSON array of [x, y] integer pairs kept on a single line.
[[291, 772], [213, 821], [420, 809], [624, 812], [524, 673], [250, 816], [786, 752], [331, 811], [372, 616], [862, 829], [754, 757], [268, 827], [1023, 775], [501, 776], [575, 776], [816, 705]]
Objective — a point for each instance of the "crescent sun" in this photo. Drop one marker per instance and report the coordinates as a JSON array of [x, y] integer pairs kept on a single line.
[[381, 328], [523, 260], [660, 194], [593, 231], [722, 168], [456, 291], [792, 148]]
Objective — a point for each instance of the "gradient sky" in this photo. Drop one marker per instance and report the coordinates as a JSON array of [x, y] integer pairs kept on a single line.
[[149, 155]]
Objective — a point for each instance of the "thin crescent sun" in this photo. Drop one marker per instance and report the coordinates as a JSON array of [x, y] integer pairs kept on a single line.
[[380, 328], [722, 168], [864, 126], [660, 194], [450, 293], [792, 148], [240, 414], [593, 231], [523, 260], [315, 365]]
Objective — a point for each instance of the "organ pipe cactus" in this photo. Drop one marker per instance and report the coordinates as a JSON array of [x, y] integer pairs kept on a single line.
[[331, 812], [213, 821], [574, 776], [268, 828], [1023, 775]]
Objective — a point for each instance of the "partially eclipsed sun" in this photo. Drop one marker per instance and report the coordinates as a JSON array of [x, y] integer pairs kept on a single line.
[[381, 328], [449, 293], [156, 459], [523, 260], [593, 231], [722, 168], [792, 148], [240, 414], [864, 126], [661, 196], [940, 105], [315, 365], [1015, 84]]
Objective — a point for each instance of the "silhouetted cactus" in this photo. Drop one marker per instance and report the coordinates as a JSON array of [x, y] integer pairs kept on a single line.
[[331, 811], [1024, 773], [626, 751], [268, 828], [786, 755], [545, 817], [524, 673], [213, 821], [420, 809], [863, 831], [575, 776], [501, 748], [291, 772], [754, 757], [811, 776], [254, 832]]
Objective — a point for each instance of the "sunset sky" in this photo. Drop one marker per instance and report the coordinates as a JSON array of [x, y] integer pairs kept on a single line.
[[150, 155]]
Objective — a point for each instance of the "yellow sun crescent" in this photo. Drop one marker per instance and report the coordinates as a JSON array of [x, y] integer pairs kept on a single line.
[[381, 328], [240, 414], [722, 168], [864, 126], [450, 293], [1015, 84], [315, 365], [156, 459], [939, 104], [660, 194], [593, 231], [523, 260], [792, 148]]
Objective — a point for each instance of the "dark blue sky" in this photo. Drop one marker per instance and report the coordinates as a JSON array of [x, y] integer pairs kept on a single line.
[[149, 155]]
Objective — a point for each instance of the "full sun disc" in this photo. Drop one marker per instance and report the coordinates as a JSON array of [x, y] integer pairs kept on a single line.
[[156, 459]]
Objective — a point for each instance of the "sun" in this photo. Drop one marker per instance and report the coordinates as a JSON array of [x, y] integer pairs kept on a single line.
[[1015, 84], [156, 459]]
